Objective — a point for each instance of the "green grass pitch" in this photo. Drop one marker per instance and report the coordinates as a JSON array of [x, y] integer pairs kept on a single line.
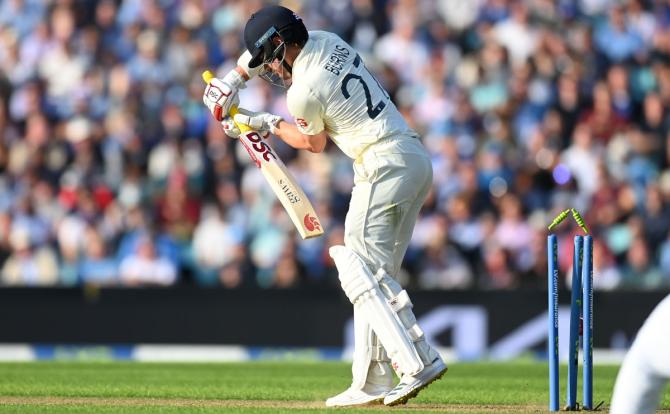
[[268, 387]]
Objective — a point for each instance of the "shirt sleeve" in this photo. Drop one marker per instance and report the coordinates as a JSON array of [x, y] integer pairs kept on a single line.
[[307, 110]]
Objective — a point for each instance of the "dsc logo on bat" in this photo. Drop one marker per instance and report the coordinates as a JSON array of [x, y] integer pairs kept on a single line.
[[258, 146]]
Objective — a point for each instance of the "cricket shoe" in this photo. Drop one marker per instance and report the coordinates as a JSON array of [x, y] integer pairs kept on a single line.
[[369, 395], [410, 385]]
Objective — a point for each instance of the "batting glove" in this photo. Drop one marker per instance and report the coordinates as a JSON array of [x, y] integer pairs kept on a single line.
[[260, 121], [221, 94], [230, 127], [232, 130]]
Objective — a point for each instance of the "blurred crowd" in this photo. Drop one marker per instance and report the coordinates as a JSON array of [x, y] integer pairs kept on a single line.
[[112, 171]]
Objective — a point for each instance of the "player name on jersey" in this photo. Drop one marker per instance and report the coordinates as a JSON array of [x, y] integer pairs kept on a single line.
[[336, 60]]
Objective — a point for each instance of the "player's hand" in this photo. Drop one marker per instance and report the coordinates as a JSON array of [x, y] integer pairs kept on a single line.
[[219, 97], [221, 94], [232, 130], [260, 121], [230, 127]]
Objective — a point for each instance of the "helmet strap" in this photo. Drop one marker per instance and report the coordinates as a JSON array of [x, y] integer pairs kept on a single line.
[[287, 66], [283, 45]]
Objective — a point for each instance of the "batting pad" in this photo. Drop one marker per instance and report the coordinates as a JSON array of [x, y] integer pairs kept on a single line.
[[367, 349], [400, 303], [362, 289]]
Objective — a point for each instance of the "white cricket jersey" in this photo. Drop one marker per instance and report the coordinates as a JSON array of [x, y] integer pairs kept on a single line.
[[332, 90]]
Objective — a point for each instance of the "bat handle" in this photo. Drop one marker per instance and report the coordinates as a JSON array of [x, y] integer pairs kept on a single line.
[[207, 76]]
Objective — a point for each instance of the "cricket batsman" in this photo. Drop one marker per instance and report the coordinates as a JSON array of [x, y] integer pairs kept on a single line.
[[332, 94]]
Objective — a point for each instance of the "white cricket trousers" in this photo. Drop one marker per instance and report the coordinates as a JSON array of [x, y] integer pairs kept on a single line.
[[391, 181], [646, 367]]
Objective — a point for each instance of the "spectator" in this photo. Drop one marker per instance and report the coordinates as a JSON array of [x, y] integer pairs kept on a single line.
[[616, 39], [581, 157], [21, 15], [443, 267], [606, 276], [231, 275], [466, 232], [215, 245], [178, 211], [399, 48], [29, 265], [516, 35], [146, 268], [512, 231], [96, 266], [601, 119], [640, 272], [287, 272], [656, 217], [497, 270]]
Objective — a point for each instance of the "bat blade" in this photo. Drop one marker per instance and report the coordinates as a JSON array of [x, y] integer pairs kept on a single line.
[[282, 182]]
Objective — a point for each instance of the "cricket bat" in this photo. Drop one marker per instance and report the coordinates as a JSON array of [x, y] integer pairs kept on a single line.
[[284, 185]]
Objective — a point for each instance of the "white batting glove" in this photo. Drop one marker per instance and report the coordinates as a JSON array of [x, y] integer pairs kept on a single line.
[[221, 94], [232, 130], [230, 127], [260, 121]]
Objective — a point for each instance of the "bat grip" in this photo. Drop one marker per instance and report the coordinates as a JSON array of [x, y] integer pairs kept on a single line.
[[207, 76]]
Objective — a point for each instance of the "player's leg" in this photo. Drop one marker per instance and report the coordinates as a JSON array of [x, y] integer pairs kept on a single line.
[[408, 220], [392, 290], [384, 206], [409, 385], [371, 370], [646, 368], [362, 289], [367, 372], [434, 367]]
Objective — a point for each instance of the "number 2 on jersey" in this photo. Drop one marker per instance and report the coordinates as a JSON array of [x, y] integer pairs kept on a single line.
[[373, 110]]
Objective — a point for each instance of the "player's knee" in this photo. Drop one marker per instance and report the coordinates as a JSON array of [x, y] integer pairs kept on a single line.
[[354, 274], [373, 257]]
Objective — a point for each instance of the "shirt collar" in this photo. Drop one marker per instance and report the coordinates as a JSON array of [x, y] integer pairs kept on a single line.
[[301, 59]]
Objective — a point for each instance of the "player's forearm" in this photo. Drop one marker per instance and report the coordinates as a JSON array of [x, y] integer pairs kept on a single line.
[[242, 72], [243, 66], [290, 134], [242, 69]]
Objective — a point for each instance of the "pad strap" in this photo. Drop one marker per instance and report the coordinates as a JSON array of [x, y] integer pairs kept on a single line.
[[401, 301], [401, 304]]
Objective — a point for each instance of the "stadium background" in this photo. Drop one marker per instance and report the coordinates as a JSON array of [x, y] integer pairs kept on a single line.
[[110, 163]]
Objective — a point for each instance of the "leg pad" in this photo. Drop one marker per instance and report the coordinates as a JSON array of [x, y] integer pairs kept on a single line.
[[401, 304], [362, 289]]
